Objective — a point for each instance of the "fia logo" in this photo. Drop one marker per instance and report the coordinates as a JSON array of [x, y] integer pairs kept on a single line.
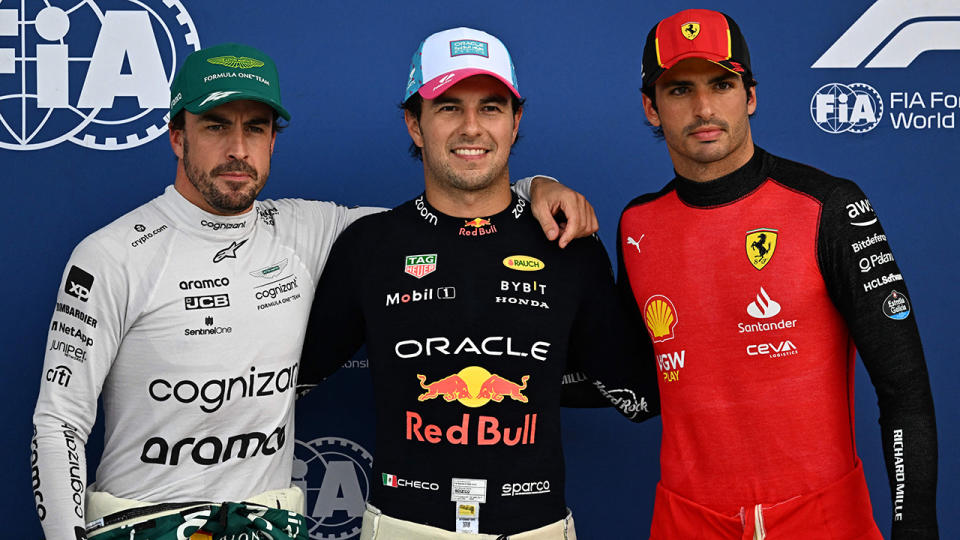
[[334, 475], [838, 108], [96, 74]]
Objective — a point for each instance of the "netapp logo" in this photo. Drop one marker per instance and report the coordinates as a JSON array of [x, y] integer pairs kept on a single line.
[[212, 450], [215, 392], [204, 283], [210, 301], [904, 30], [78, 284], [525, 488], [217, 225], [72, 331], [440, 293], [59, 375]]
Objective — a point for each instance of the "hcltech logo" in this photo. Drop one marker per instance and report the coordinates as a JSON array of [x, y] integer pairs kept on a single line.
[[334, 475], [904, 30], [837, 108], [96, 73]]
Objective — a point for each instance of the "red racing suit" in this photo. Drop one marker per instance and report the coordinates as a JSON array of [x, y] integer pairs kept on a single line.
[[754, 289]]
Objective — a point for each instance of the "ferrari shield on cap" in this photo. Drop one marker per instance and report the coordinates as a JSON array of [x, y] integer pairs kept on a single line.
[[223, 73], [695, 33], [448, 57]]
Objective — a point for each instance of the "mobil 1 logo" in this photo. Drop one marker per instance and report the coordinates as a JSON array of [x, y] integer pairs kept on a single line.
[[78, 284]]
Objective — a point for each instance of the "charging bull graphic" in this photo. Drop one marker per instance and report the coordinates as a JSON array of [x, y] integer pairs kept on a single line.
[[451, 388], [496, 387]]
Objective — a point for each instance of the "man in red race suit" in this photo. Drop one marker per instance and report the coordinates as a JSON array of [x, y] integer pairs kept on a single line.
[[758, 279]]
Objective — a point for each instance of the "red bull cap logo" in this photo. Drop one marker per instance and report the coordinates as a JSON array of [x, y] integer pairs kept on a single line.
[[476, 223], [473, 386]]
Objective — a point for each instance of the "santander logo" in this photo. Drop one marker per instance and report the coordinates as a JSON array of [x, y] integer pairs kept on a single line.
[[763, 307]]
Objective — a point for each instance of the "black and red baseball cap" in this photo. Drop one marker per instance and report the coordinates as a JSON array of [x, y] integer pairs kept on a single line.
[[695, 33]]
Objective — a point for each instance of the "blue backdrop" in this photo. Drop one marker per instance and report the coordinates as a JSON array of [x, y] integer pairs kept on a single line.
[[72, 161]]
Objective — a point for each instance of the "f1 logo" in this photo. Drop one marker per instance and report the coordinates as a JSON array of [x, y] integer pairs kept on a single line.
[[78, 284], [909, 37]]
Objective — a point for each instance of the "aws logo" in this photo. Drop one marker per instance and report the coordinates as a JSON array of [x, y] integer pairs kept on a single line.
[[893, 33], [660, 315], [474, 386]]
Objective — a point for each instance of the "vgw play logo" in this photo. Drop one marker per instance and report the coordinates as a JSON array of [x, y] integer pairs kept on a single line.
[[890, 34], [96, 73]]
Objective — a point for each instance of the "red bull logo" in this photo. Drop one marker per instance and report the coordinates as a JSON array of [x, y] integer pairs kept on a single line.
[[480, 430], [473, 386], [477, 227]]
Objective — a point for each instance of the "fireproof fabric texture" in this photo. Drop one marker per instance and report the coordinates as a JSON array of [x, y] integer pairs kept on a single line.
[[189, 325], [754, 289], [470, 325]]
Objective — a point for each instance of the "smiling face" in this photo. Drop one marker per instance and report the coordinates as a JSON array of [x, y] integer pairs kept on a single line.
[[704, 112], [466, 135], [224, 156]]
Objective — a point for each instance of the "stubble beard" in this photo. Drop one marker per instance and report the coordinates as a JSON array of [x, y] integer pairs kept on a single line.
[[445, 174], [231, 201]]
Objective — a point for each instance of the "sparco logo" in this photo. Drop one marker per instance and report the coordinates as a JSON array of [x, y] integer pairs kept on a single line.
[[59, 375], [204, 283], [214, 393], [525, 488], [217, 225], [68, 65], [903, 28], [334, 474], [78, 284], [212, 449]]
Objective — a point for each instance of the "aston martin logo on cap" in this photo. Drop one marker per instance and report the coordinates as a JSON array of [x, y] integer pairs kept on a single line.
[[690, 30], [241, 62]]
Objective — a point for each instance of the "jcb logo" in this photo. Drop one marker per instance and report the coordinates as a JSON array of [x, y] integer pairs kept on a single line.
[[206, 302], [76, 63]]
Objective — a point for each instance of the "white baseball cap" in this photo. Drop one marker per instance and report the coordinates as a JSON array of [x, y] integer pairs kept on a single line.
[[448, 57]]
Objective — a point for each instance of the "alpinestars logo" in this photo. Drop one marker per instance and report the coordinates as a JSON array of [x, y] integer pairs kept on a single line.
[[229, 252], [902, 28]]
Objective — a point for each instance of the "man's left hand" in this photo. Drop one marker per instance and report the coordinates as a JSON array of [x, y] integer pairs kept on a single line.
[[575, 217]]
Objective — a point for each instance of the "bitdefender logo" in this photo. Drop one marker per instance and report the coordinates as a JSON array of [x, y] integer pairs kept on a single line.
[[95, 74]]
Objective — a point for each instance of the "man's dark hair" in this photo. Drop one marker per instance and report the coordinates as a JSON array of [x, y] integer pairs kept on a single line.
[[178, 122], [414, 104], [651, 92]]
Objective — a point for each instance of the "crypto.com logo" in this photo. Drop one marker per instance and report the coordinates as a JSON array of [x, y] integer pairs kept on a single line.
[[96, 73], [908, 26]]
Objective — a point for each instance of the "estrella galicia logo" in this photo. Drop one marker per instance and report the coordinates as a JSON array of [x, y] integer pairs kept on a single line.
[[334, 475], [78, 284], [96, 74], [896, 306], [837, 108], [229, 252]]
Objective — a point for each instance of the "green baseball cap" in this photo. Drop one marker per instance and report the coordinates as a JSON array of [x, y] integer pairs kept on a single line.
[[223, 73]]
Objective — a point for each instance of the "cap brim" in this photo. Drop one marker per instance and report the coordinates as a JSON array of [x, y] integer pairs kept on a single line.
[[217, 98], [441, 83], [712, 58]]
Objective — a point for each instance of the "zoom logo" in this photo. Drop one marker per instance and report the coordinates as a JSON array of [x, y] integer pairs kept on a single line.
[[902, 28]]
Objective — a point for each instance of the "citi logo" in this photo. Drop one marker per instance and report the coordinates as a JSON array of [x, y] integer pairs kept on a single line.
[[773, 350], [902, 28], [59, 375]]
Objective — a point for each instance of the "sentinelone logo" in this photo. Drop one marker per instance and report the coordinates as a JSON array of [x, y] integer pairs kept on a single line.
[[859, 108], [96, 73]]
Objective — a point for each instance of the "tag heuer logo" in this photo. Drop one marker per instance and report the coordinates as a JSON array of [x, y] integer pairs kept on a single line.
[[420, 265], [690, 30], [241, 62]]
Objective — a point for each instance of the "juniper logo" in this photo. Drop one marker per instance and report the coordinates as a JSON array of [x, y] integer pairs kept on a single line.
[[96, 74], [893, 33]]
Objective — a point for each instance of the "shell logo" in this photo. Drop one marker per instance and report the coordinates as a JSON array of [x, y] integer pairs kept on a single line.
[[661, 317]]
